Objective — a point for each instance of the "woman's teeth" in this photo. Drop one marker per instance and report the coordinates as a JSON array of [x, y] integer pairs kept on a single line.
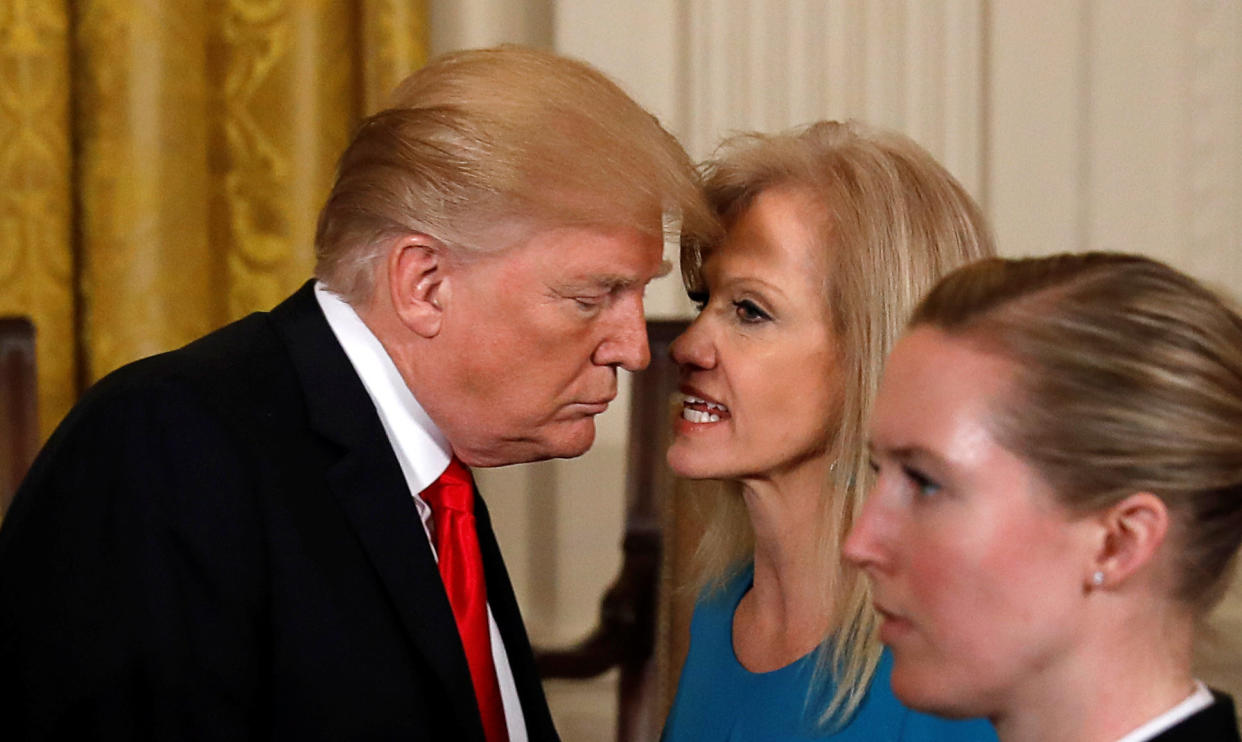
[[698, 416], [698, 410]]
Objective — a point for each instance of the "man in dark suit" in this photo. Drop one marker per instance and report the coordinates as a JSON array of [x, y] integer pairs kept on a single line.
[[255, 536]]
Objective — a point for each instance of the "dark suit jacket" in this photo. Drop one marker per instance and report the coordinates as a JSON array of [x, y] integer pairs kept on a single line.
[[217, 543], [1216, 723]]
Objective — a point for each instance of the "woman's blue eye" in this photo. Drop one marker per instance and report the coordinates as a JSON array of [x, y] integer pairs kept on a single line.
[[926, 486], [748, 311]]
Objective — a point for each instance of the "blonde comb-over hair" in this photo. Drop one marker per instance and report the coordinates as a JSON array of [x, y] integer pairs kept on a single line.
[[481, 148]]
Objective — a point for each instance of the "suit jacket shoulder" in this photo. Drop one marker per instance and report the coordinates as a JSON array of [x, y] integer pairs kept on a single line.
[[222, 539]]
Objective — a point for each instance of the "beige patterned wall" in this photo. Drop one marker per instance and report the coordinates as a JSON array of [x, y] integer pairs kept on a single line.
[[162, 164]]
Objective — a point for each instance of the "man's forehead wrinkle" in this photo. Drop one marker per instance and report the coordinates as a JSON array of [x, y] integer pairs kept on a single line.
[[614, 281]]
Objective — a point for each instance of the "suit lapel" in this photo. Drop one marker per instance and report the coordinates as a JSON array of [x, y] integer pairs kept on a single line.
[[367, 483]]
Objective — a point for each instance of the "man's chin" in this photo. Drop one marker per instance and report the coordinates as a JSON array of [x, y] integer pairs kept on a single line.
[[566, 440], [573, 440]]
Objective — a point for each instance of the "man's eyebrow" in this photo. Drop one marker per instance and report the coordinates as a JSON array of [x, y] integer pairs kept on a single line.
[[615, 281]]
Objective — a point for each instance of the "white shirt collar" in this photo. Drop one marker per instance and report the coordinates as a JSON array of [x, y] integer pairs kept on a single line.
[[1200, 699], [421, 449]]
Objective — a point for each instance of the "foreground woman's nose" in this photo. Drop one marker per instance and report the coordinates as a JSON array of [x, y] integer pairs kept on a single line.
[[862, 545]]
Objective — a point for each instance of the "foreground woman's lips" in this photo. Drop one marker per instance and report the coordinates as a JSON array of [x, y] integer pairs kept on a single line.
[[893, 627]]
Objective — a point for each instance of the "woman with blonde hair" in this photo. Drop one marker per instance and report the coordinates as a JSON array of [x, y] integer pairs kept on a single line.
[[1058, 444], [831, 234]]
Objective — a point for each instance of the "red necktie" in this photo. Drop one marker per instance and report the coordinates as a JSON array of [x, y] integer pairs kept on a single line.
[[451, 498]]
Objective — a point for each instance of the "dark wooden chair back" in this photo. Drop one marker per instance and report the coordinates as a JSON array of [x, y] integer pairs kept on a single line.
[[635, 614], [19, 434]]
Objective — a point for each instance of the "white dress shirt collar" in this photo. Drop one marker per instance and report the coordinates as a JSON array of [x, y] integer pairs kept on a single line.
[[422, 452], [421, 449], [1200, 699]]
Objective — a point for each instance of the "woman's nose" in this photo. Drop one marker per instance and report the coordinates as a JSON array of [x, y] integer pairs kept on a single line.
[[863, 546], [694, 348]]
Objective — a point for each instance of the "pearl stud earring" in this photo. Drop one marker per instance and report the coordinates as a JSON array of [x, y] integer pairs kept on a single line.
[[1097, 579]]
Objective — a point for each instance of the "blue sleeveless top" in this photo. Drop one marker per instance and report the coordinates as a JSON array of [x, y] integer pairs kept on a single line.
[[718, 699]]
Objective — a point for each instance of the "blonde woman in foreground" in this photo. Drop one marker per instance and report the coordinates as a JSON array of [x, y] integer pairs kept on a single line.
[[831, 235], [1058, 444]]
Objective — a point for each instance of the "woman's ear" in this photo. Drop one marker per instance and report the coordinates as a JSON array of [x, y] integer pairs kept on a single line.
[[1132, 532], [417, 271]]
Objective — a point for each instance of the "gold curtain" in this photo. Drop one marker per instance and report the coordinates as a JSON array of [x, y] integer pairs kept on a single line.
[[162, 163]]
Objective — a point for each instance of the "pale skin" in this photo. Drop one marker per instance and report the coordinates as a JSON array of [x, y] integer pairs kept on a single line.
[[986, 581], [786, 613], [765, 319], [1132, 664]]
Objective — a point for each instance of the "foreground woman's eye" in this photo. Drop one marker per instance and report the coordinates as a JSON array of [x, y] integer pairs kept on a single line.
[[699, 299], [925, 485], [748, 311]]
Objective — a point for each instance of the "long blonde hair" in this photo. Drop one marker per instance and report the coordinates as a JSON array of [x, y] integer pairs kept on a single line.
[[897, 221]]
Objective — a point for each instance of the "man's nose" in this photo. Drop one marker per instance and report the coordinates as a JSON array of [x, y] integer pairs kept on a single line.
[[625, 345]]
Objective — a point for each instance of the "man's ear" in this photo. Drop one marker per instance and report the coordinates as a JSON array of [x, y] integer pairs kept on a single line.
[[417, 267], [1132, 532]]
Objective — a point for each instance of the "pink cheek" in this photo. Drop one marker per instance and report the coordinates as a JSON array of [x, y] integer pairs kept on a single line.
[[1030, 576], [929, 578], [945, 593]]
